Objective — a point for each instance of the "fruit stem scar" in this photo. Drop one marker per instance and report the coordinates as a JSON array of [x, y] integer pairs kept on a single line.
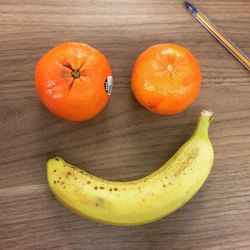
[[76, 74], [170, 68]]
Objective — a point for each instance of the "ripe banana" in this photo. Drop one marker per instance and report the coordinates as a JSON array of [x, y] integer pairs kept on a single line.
[[140, 201]]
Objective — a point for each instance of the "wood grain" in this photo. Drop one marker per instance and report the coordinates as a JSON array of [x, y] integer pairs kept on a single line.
[[125, 141]]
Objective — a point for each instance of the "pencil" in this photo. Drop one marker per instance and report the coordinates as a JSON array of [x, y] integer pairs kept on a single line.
[[218, 34]]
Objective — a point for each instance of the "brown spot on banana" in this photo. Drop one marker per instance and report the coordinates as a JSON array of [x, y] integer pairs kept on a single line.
[[192, 156]]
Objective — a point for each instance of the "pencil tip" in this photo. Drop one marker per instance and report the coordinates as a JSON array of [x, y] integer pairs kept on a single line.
[[190, 7]]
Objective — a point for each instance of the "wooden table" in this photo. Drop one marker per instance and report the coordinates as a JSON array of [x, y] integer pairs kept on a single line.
[[125, 141]]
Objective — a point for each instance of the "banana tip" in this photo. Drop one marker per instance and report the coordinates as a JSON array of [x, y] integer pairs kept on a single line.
[[207, 112]]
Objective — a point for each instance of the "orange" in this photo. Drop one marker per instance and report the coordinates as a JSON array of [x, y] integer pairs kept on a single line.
[[166, 78], [70, 80]]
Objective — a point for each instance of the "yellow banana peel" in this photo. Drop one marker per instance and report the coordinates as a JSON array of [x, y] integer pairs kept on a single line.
[[140, 201]]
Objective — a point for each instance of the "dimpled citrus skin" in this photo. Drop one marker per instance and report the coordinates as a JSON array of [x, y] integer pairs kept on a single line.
[[166, 78], [73, 98]]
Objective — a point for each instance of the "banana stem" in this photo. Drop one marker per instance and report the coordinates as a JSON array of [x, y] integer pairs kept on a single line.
[[205, 119]]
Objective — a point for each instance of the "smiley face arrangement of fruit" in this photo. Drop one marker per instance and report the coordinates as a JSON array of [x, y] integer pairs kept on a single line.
[[140, 201], [166, 78], [71, 80], [74, 81]]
